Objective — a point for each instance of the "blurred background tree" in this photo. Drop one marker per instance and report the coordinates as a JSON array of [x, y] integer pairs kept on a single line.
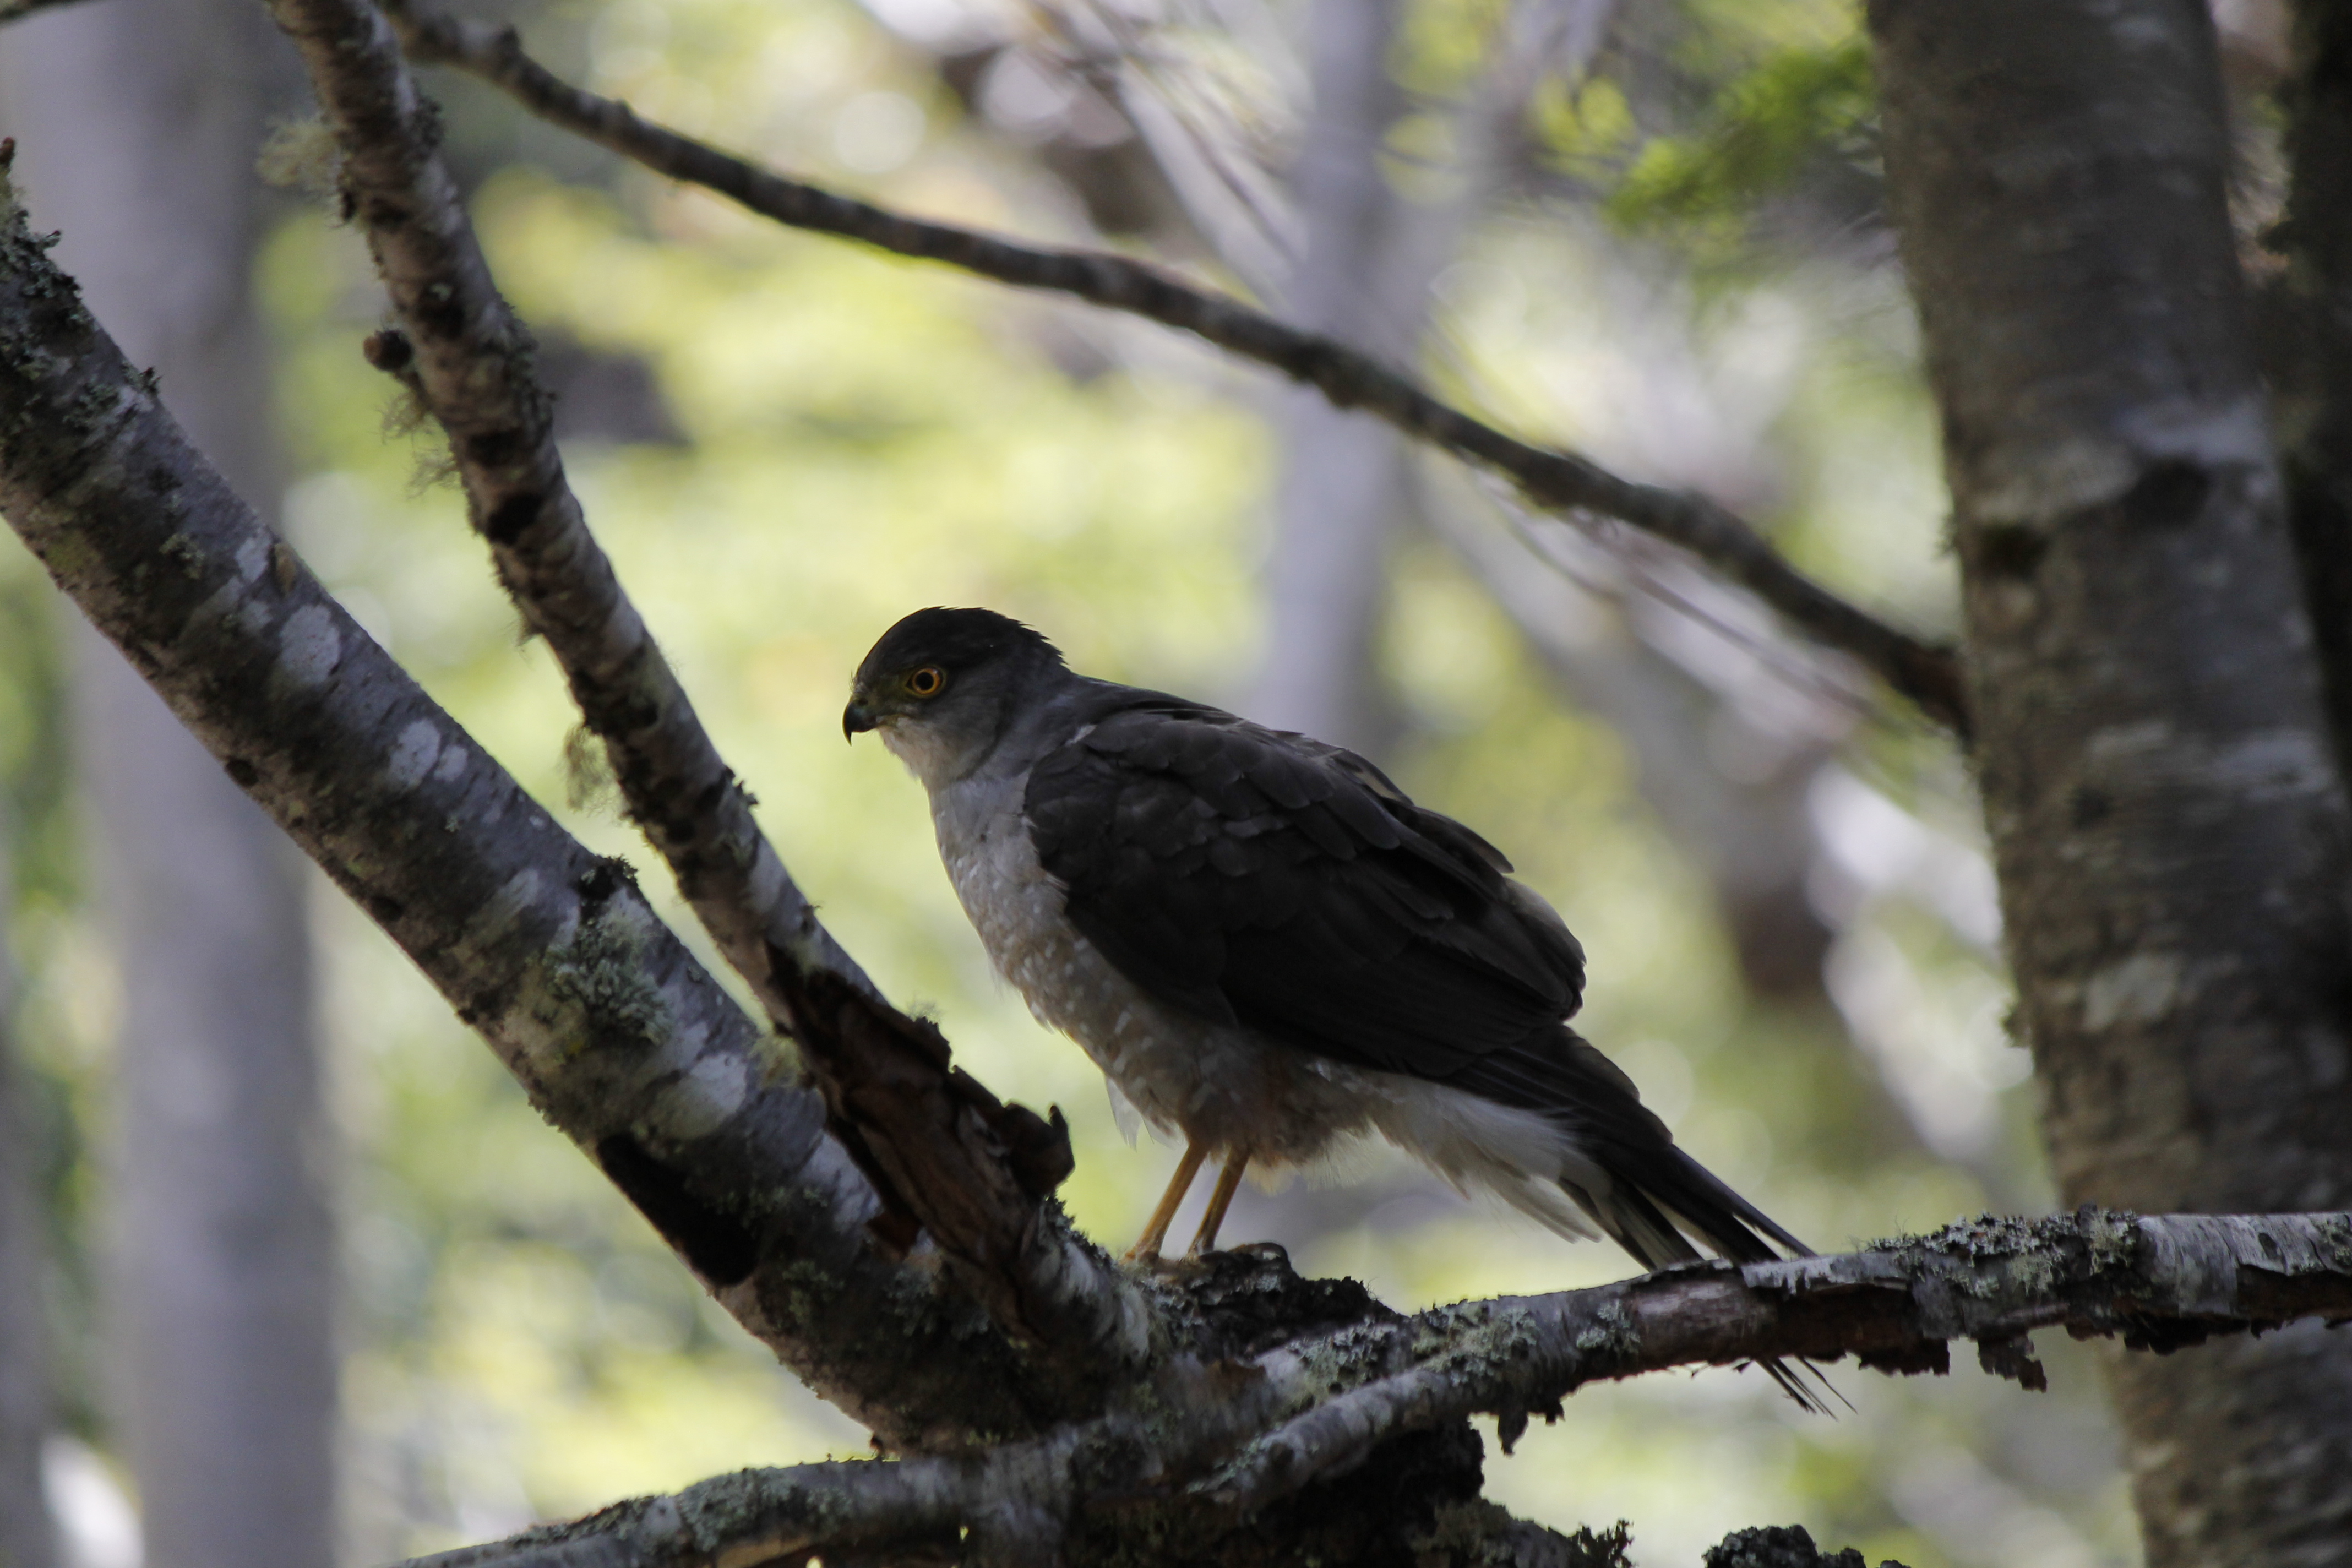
[[1651, 230], [213, 1245]]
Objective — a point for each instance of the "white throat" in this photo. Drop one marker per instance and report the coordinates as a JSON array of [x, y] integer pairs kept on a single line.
[[936, 760]]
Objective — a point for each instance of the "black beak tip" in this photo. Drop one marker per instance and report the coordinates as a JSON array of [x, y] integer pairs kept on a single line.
[[856, 720]]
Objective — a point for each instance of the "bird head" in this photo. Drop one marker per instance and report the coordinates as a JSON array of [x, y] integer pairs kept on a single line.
[[942, 685]]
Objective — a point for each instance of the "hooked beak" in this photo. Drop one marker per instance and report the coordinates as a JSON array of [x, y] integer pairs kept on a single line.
[[857, 719]]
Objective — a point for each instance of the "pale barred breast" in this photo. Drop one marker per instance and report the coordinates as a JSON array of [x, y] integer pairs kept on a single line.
[[1181, 1072], [1017, 909]]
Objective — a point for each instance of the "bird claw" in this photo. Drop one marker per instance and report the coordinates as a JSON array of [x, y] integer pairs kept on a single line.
[[1158, 1262]]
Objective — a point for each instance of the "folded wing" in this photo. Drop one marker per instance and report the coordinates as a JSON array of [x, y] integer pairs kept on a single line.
[[1259, 878]]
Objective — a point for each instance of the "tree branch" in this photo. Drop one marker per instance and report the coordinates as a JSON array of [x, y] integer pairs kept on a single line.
[[464, 354], [621, 1039], [10, 10], [938, 1512], [2160, 1282], [1239, 1439], [1554, 480], [548, 950], [946, 1155], [917, 1508]]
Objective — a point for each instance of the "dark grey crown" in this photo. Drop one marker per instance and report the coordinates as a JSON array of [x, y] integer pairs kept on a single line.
[[959, 641]]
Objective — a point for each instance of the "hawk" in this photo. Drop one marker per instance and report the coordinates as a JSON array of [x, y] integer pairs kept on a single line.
[[1269, 948]]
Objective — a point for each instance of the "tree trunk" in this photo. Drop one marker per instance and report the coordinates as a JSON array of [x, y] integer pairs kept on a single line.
[[2308, 339], [26, 1539], [2167, 821], [1342, 485], [138, 128]]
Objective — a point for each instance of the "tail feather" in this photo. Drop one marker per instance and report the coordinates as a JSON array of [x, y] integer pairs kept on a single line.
[[1638, 1225], [1658, 1198], [1721, 1218]]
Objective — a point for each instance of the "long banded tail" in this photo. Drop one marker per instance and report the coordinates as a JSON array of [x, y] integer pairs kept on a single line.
[[1656, 1200]]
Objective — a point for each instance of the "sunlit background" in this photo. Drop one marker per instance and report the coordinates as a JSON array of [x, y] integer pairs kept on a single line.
[[1656, 240]]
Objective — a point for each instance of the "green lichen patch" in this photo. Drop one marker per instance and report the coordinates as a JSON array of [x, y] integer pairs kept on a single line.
[[187, 553], [2113, 1239], [2034, 1273], [2333, 1235], [1609, 1333], [602, 973]]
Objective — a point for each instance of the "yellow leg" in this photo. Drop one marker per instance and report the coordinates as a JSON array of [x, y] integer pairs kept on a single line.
[[1229, 1182], [1147, 1247]]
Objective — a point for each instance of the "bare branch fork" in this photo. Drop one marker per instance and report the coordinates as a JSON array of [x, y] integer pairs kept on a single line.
[[546, 951], [1316, 1407], [946, 1156], [1554, 480]]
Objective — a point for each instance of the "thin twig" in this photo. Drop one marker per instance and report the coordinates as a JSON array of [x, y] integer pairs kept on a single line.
[[463, 350], [944, 1154], [1554, 480], [10, 10]]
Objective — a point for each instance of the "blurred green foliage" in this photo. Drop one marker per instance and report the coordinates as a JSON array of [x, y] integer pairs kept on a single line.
[[50, 967], [1766, 127]]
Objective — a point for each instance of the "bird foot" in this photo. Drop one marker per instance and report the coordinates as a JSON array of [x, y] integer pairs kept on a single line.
[[1160, 1263], [1170, 1265]]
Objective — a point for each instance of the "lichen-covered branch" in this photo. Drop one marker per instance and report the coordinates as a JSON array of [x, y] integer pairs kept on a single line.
[[465, 355], [1552, 479], [2158, 1282], [549, 952], [1023, 1505], [946, 1155], [1227, 1442], [915, 1508]]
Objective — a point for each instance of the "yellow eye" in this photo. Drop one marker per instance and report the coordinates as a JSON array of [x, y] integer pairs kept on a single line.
[[928, 682]]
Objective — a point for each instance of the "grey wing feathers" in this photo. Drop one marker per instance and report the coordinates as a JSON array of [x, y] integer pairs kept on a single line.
[[1264, 879]]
